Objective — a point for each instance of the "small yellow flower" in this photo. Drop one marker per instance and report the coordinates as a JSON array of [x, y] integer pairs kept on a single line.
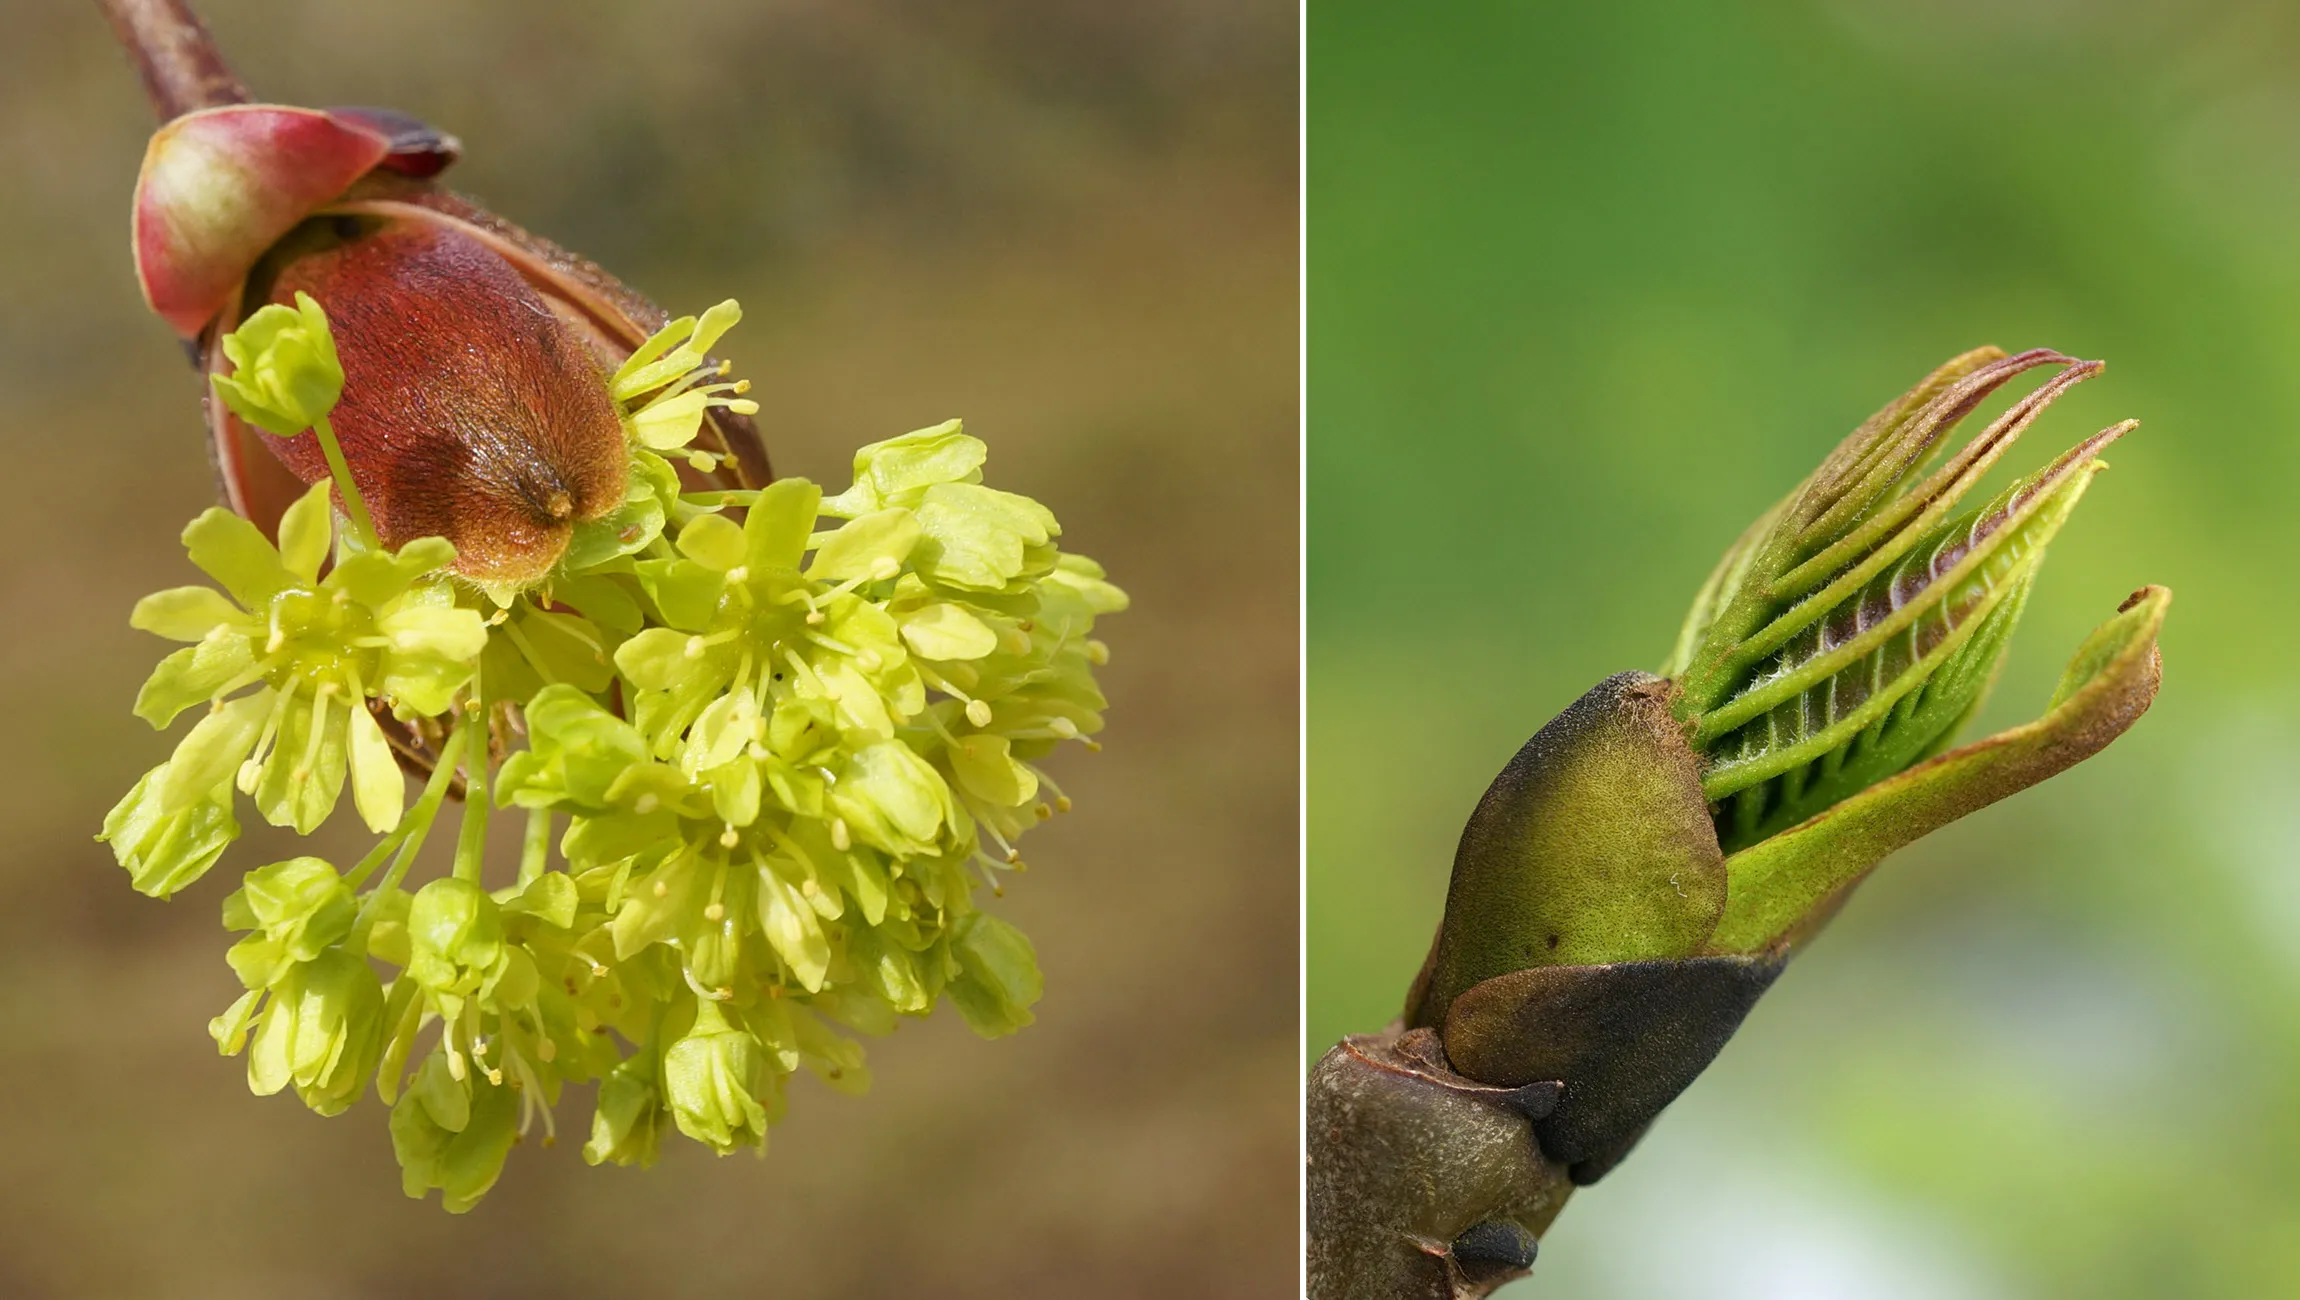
[[285, 376]]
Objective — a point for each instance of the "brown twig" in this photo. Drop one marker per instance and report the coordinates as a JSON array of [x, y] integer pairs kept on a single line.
[[178, 60]]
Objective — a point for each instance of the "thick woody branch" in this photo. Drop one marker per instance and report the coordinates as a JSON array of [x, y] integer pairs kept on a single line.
[[1423, 1185]]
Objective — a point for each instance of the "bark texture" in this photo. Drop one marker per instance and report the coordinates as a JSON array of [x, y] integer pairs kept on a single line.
[[173, 53], [1423, 1185]]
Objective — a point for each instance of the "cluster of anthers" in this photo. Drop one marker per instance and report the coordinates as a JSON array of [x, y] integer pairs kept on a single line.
[[774, 738]]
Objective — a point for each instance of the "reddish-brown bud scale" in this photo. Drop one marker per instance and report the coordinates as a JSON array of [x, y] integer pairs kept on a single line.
[[218, 186], [470, 410], [476, 356]]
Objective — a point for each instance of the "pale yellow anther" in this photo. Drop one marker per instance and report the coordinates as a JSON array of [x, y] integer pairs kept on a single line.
[[662, 889], [715, 912], [978, 712], [727, 840], [696, 646], [840, 840]]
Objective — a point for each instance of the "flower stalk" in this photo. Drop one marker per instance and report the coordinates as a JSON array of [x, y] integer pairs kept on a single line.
[[1642, 870]]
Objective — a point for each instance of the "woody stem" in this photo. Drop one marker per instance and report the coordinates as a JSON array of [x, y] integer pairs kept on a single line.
[[177, 59]]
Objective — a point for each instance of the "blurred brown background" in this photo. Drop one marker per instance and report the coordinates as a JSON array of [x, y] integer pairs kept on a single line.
[[1071, 223]]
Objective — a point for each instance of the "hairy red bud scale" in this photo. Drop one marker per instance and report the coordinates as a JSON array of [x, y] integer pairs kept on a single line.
[[470, 410], [477, 355]]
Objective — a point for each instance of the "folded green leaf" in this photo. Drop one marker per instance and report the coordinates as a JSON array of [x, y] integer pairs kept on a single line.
[[1779, 886], [1856, 625]]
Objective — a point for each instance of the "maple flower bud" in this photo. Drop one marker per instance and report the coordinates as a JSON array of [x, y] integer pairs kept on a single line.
[[285, 375], [718, 1085]]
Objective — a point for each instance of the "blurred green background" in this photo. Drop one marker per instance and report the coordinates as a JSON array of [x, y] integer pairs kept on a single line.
[[1072, 223], [1589, 287]]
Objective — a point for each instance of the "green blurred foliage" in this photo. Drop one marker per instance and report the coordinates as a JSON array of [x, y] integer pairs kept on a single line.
[[1073, 224], [1590, 286]]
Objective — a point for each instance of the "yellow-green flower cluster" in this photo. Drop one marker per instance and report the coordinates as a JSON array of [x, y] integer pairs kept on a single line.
[[824, 725], [771, 744], [290, 667]]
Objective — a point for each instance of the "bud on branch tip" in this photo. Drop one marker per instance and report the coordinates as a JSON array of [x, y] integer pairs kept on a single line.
[[1635, 878]]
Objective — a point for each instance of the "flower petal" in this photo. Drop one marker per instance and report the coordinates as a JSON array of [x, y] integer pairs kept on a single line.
[[235, 553], [378, 788], [183, 613], [306, 531]]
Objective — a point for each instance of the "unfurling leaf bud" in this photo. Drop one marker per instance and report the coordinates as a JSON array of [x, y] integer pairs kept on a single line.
[[1634, 879], [1851, 631]]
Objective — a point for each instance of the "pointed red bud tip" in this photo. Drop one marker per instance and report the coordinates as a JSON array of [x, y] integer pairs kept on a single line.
[[417, 148], [220, 186]]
